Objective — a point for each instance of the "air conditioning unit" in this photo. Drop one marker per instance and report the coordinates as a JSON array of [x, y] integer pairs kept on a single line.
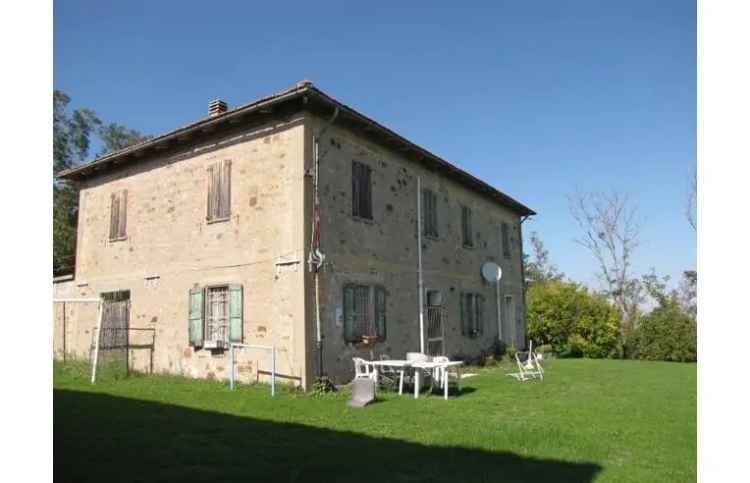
[[214, 344]]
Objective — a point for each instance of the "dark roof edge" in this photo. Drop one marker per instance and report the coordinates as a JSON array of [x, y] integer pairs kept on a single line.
[[302, 87]]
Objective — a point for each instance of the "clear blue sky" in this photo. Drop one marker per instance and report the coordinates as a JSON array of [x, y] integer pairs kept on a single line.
[[539, 98]]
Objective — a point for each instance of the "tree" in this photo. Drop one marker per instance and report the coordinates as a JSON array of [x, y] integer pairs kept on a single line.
[[573, 320], [610, 233], [540, 269], [116, 136], [71, 132], [72, 135]]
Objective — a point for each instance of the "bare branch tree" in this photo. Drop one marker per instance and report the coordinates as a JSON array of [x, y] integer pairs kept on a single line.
[[692, 202], [610, 229]]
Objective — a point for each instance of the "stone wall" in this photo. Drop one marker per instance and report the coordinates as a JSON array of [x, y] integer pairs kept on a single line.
[[383, 251], [171, 248]]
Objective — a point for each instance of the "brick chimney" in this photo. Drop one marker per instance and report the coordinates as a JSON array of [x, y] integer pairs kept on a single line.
[[216, 107]]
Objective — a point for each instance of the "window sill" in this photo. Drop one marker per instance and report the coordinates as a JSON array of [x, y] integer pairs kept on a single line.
[[218, 220], [469, 247], [431, 237], [113, 240], [368, 221]]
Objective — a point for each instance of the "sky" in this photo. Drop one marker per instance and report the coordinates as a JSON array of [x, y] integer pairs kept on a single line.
[[542, 99]]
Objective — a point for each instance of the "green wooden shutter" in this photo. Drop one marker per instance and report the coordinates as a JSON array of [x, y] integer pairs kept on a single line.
[[235, 313], [463, 314], [195, 317], [380, 312], [349, 313], [480, 314]]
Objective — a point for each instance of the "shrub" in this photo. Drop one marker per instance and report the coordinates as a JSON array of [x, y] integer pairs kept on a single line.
[[573, 320], [322, 386], [667, 333]]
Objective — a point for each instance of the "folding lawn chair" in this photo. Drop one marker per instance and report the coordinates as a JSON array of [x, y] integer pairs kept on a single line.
[[529, 366]]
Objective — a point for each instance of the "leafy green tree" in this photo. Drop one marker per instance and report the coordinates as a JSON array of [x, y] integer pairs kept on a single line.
[[667, 333], [540, 269], [116, 136], [573, 320], [72, 134]]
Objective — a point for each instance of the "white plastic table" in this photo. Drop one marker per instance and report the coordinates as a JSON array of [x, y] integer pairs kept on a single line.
[[399, 365], [436, 365]]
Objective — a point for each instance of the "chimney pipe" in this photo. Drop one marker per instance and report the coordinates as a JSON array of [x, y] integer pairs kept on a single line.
[[216, 107]]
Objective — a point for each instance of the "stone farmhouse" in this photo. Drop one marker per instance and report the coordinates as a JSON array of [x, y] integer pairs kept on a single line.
[[293, 221]]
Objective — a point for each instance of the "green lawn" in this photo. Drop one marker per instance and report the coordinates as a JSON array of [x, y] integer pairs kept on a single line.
[[590, 420]]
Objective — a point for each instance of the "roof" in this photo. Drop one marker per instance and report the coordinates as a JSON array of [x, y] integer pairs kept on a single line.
[[303, 95]]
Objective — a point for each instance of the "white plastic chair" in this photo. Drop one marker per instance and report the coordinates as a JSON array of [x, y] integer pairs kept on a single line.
[[441, 375], [363, 369], [529, 366]]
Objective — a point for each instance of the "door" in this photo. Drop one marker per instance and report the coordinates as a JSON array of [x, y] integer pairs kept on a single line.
[[435, 313]]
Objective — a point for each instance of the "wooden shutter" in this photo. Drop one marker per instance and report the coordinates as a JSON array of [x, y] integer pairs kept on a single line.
[[426, 218], [365, 192], [122, 216], [195, 317], [506, 242], [467, 229], [349, 313], [210, 204], [480, 314], [225, 191], [464, 329], [356, 189], [380, 312], [113, 216], [235, 313]]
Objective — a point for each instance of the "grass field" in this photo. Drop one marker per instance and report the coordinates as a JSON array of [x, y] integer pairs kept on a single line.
[[590, 420]]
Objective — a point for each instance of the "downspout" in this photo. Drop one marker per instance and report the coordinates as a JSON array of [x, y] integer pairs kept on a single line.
[[316, 257], [420, 283], [523, 278]]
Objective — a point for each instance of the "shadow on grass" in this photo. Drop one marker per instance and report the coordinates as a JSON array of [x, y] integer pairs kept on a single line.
[[105, 438]]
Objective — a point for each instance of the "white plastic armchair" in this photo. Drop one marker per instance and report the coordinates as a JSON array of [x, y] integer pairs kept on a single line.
[[363, 369]]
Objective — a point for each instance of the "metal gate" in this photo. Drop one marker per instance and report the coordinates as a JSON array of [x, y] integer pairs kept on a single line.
[[436, 316], [115, 321]]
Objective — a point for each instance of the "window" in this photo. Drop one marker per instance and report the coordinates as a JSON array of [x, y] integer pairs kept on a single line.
[[429, 213], [364, 312], [219, 192], [506, 240], [361, 191], [118, 215], [215, 316], [472, 314], [466, 228]]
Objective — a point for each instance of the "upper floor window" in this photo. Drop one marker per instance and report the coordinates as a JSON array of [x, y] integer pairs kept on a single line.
[[429, 213], [361, 191], [118, 215], [466, 227], [505, 239], [219, 191]]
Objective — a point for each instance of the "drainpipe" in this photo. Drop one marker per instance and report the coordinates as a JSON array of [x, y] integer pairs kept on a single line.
[[523, 277], [420, 283], [316, 256]]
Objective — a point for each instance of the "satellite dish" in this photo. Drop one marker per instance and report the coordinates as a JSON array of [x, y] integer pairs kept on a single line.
[[492, 272]]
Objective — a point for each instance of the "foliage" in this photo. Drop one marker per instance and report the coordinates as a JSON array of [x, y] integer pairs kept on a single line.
[[116, 136], [565, 429], [573, 320], [610, 232], [322, 386], [668, 332], [540, 269]]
